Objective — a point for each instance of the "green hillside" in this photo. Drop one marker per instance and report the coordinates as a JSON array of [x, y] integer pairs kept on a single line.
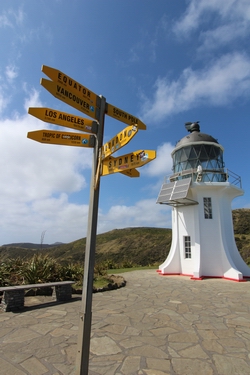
[[141, 246]]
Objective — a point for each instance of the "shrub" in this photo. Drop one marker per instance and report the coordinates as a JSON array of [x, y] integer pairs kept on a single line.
[[39, 269]]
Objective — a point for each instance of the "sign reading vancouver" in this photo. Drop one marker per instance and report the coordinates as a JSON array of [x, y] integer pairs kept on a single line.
[[69, 97]]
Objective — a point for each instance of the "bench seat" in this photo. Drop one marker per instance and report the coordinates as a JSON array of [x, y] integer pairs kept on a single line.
[[13, 296]]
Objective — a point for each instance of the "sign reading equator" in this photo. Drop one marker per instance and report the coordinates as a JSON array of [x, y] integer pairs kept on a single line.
[[123, 116], [121, 163], [72, 85], [62, 138], [69, 97], [64, 119]]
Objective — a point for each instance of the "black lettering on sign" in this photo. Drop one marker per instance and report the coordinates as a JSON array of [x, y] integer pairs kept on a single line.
[[70, 82], [51, 114], [48, 135]]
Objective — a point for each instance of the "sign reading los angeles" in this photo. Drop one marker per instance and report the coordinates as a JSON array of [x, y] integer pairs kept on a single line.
[[123, 116], [62, 138], [120, 140], [129, 161], [64, 119]]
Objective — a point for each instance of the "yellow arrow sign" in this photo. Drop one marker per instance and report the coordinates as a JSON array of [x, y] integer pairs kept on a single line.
[[64, 119], [62, 138], [131, 173], [70, 84], [129, 161], [120, 140], [70, 98], [123, 116]]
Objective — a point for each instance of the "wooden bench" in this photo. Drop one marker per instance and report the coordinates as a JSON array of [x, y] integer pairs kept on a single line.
[[13, 296]]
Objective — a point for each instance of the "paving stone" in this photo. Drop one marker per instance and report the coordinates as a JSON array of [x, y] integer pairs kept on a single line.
[[8, 368], [230, 366], [190, 367], [158, 364], [193, 352], [104, 346], [20, 335], [170, 325], [34, 367], [131, 365]]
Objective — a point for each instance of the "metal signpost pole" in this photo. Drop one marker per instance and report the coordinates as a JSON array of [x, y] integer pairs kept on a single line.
[[82, 360]]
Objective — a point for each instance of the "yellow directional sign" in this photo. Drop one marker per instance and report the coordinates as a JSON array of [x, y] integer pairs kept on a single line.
[[129, 161], [70, 84], [70, 97], [64, 119], [120, 140], [62, 138], [123, 116], [131, 173]]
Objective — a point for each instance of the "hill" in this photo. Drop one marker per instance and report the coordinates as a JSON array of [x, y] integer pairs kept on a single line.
[[132, 245], [142, 246]]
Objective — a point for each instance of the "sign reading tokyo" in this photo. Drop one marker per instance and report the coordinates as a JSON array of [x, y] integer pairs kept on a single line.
[[123, 116], [62, 138], [120, 140], [69, 83], [70, 98], [129, 161], [64, 119]]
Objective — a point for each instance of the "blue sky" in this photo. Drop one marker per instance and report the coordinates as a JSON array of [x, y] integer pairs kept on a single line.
[[166, 62]]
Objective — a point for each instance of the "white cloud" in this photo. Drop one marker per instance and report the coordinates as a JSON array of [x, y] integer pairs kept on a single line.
[[231, 20], [38, 179], [11, 17], [11, 72], [144, 213], [162, 165], [219, 83]]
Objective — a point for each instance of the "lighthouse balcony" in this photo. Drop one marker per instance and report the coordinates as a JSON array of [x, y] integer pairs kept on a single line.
[[174, 190], [207, 175]]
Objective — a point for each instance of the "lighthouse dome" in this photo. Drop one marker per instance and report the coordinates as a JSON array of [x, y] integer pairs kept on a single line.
[[198, 155], [196, 136]]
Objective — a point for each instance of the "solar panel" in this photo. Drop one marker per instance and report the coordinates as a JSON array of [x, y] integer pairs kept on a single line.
[[175, 193]]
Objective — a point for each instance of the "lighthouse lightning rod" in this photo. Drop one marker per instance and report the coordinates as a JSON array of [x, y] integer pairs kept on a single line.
[[83, 347]]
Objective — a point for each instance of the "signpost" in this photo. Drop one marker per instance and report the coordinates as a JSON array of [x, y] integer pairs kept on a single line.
[[123, 116], [55, 137], [135, 159], [64, 119], [76, 95]]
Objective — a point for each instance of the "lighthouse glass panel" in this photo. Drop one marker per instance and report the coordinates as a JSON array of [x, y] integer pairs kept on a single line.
[[187, 247], [208, 156]]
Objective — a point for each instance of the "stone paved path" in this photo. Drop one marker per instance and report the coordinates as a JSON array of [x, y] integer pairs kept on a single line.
[[155, 325]]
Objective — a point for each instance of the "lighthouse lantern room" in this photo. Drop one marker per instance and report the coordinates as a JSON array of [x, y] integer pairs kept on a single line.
[[200, 194]]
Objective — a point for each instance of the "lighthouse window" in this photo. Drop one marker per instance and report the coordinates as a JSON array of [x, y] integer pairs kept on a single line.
[[207, 208], [187, 246]]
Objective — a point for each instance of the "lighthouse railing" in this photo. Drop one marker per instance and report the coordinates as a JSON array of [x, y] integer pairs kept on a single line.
[[206, 175]]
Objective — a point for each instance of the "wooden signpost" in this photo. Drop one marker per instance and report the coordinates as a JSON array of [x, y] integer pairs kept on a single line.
[[81, 98]]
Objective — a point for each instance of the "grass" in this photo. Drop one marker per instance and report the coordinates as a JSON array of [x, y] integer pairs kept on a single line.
[[122, 270]]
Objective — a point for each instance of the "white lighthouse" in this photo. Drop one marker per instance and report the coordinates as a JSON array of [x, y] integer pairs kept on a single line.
[[200, 194]]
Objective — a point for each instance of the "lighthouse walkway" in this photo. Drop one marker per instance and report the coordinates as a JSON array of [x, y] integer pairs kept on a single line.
[[155, 325]]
